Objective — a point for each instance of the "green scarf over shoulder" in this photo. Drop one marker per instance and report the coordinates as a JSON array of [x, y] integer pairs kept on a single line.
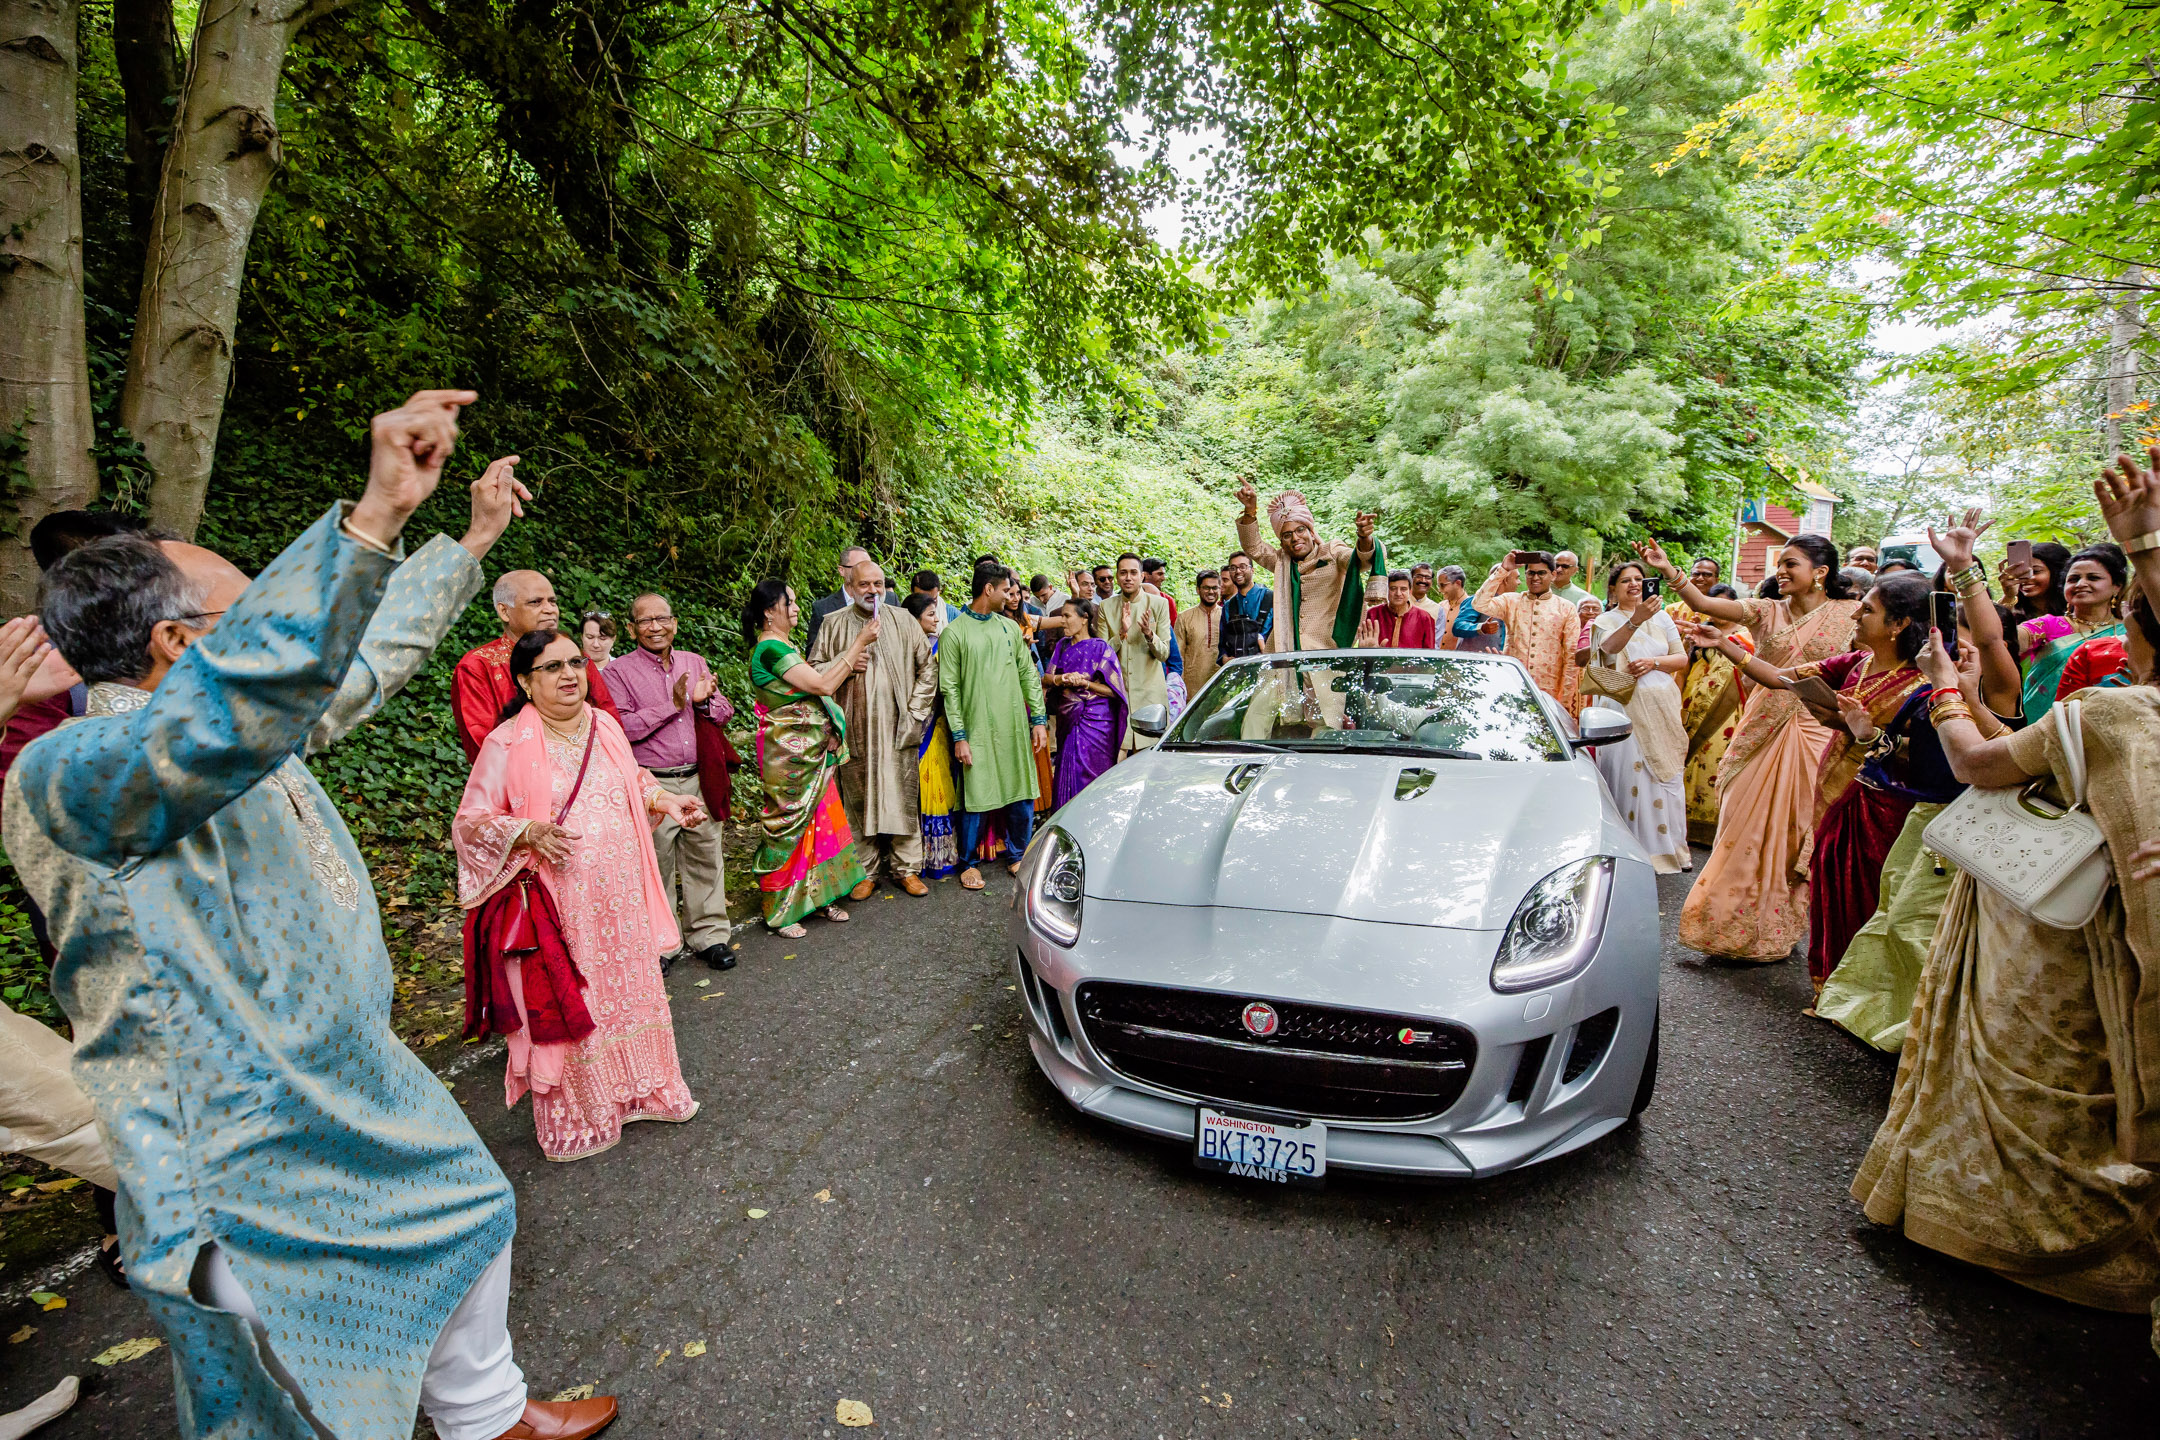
[[1350, 609]]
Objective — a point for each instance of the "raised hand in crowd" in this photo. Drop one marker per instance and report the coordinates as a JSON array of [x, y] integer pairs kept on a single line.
[[1248, 497], [410, 446], [497, 496], [23, 649], [2129, 496], [546, 839], [1858, 723], [1368, 634], [1366, 520], [1989, 651]]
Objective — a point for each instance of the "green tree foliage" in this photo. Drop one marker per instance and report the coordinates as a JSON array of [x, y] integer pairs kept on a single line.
[[1999, 156]]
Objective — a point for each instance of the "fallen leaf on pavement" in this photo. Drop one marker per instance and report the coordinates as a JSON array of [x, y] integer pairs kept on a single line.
[[47, 1299], [693, 1349], [823, 1197], [714, 996], [575, 1392], [700, 985], [127, 1350], [757, 1214], [663, 1355], [1012, 987], [974, 1027], [21, 1335], [54, 1187], [787, 957], [853, 1413]]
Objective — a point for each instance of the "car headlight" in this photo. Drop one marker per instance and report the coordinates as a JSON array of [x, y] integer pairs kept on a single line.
[[1555, 930], [1055, 888]]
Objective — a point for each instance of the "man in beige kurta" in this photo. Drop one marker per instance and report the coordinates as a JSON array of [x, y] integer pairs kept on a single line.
[[886, 705], [1322, 568], [1305, 613], [1136, 622], [1199, 633], [1541, 626]]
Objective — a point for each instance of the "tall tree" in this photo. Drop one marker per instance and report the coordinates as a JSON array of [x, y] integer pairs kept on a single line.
[[224, 152], [46, 429]]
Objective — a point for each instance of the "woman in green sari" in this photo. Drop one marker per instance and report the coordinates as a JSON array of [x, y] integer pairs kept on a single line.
[[2092, 589], [806, 856]]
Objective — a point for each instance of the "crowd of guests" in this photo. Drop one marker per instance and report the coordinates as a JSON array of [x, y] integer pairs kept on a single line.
[[187, 868]]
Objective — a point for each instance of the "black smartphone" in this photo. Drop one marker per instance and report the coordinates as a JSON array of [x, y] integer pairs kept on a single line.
[[1946, 620], [2020, 553], [1652, 586]]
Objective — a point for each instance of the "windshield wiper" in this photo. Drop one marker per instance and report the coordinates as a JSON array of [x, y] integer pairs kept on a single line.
[[1407, 748], [1251, 746]]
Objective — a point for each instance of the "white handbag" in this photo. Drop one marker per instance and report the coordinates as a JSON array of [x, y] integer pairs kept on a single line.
[[2050, 863]]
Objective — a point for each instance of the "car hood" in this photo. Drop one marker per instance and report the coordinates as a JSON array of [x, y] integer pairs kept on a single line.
[[1326, 835]]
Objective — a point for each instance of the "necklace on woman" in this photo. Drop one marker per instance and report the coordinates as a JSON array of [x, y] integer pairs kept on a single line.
[[570, 735]]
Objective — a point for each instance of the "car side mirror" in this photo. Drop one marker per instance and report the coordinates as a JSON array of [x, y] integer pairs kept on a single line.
[[1151, 720], [1599, 726]]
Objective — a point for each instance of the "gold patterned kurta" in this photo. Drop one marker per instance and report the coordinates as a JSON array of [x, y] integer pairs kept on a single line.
[[1541, 632]]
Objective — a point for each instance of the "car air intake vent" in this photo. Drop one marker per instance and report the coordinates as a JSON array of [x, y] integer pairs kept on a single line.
[[1239, 778], [1592, 1038], [1526, 1070], [1317, 1060]]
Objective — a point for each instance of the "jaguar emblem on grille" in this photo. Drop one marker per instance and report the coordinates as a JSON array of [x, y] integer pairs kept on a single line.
[[1260, 1019]]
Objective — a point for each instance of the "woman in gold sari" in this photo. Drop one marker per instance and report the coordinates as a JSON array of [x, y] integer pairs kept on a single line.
[[806, 858], [2026, 1114], [1710, 701]]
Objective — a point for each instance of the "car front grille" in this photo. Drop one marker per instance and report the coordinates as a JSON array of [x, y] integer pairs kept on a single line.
[[1320, 1060]]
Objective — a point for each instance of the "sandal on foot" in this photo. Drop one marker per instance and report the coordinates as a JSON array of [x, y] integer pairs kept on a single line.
[[792, 932], [971, 879], [835, 914]]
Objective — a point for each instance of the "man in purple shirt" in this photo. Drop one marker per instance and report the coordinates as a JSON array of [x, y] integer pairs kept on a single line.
[[657, 688]]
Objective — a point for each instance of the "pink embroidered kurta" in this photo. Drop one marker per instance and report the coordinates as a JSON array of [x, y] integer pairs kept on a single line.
[[615, 921]]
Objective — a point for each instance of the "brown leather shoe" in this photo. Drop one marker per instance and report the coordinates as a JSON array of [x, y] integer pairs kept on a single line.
[[862, 891], [563, 1419], [913, 885]]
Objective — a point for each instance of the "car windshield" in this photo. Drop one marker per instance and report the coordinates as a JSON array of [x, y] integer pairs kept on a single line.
[[1438, 705]]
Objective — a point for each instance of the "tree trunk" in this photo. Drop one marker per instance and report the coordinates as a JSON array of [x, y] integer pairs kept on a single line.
[[147, 50], [2126, 327], [45, 421], [223, 154]]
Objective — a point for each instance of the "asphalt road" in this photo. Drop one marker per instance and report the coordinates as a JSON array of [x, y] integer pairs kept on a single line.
[[990, 1264]]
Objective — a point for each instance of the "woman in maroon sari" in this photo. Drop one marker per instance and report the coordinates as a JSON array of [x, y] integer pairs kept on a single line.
[[1882, 761], [1086, 690]]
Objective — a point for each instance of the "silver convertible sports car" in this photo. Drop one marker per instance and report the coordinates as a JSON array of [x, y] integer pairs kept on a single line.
[[1358, 909]]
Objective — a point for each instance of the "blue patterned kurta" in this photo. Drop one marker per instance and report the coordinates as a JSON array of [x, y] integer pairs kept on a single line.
[[223, 964]]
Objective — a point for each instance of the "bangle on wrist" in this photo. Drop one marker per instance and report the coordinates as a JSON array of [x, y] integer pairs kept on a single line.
[[2137, 544], [1969, 576]]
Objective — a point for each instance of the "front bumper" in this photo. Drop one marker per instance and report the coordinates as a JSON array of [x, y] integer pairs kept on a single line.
[[1520, 1103]]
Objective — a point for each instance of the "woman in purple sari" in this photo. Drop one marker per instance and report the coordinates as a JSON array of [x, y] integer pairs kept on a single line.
[[1086, 690]]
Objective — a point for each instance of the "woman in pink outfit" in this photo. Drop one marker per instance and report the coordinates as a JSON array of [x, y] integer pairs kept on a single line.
[[555, 788]]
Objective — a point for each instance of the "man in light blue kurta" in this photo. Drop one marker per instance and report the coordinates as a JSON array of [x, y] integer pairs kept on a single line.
[[222, 960]]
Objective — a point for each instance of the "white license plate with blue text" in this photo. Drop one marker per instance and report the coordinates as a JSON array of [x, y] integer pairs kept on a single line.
[[1260, 1149]]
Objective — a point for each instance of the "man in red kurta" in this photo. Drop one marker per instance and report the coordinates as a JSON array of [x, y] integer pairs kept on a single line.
[[481, 684], [1400, 624]]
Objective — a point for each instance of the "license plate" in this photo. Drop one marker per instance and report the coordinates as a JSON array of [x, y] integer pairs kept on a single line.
[[1260, 1149]]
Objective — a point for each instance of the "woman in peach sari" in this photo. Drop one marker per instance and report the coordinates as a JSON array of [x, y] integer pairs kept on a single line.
[[556, 789], [1750, 902]]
